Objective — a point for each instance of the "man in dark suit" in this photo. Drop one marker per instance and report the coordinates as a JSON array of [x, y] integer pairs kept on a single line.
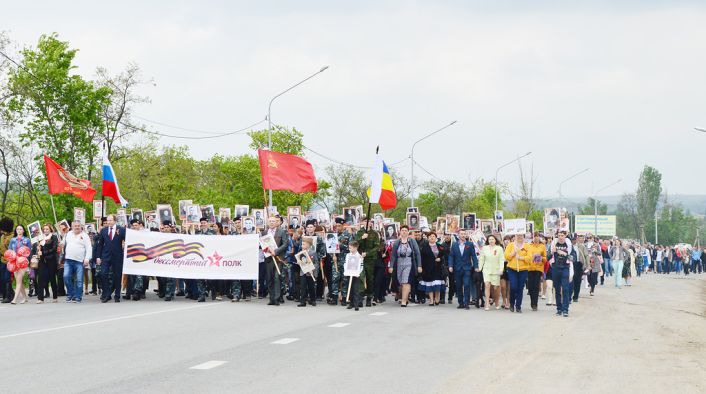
[[273, 278], [110, 256], [462, 262]]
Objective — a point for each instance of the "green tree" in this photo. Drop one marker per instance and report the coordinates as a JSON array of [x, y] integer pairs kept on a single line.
[[589, 208], [483, 200], [56, 109], [284, 140], [649, 189]]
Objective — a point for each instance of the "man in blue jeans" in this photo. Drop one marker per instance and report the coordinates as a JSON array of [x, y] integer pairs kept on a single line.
[[560, 274], [463, 260], [77, 254]]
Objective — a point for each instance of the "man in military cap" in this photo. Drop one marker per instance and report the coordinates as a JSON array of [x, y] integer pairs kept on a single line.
[[369, 241], [339, 259]]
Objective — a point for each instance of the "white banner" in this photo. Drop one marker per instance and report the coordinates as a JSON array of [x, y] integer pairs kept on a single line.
[[515, 226], [191, 256]]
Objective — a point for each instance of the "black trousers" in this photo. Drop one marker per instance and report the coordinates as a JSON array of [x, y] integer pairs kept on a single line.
[[534, 279], [576, 282], [60, 281], [452, 286], [380, 282], [47, 276], [593, 280], [272, 276], [307, 288], [355, 295], [479, 288], [262, 280]]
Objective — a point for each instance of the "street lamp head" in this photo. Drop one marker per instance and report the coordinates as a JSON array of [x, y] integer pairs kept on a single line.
[[454, 122], [324, 68], [700, 129]]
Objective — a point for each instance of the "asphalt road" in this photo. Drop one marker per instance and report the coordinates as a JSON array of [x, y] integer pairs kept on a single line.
[[646, 337]]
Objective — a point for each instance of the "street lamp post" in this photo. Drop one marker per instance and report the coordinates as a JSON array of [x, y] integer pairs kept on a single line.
[[269, 114], [496, 178], [595, 206], [412, 156], [570, 178]]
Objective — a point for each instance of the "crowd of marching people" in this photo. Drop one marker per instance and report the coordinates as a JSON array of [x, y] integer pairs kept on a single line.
[[420, 267]]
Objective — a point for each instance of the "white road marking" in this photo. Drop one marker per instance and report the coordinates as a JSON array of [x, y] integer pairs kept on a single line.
[[378, 314], [339, 325], [209, 365], [284, 341], [43, 330]]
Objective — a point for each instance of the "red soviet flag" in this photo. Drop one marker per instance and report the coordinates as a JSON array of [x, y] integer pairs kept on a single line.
[[61, 181], [281, 171]]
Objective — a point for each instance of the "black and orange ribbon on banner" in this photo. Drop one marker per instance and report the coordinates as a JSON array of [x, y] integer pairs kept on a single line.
[[176, 247]]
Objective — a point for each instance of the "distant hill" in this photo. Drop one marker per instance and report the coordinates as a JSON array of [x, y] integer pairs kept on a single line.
[[695, 204]]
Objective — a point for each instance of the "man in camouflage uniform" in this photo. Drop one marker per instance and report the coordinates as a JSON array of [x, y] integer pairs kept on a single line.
[[339, 259], [369, 241]]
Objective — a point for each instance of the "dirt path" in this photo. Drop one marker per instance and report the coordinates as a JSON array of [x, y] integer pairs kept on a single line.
[[650, 337]]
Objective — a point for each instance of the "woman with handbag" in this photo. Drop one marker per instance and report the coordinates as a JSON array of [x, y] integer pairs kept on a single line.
[[45, 262], [405, 262]]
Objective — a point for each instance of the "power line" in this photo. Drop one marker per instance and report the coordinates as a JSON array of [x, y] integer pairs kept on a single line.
[[179, 127], [427, 171], [190, 137], [334, 160]]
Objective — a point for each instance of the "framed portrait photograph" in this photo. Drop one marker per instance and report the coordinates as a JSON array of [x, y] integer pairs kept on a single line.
[[413, 221], [321, 216], [304, 261], [272, 211], [453, 224], [332, 243], [392, 231], [424, 223], [294, 211], [312, 240], [90, 228], [121, 219], [97, 209], [552, 220], [151, 220], [469, 221], [208, 212], [35, 232], [80, 215], [260, 217], [412, 210], [242, 210], [441, 225], [137, 214], [182, 208], [268, 244], [164, 212], [248, 225], [486, 225], [193, 214], [294, 221], [499, 216], [62, 226], [224, 215], [514, 226], [530, 227], [500, 226]]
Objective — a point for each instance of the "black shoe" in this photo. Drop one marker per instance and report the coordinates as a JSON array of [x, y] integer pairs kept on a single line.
[[167, 298], [460, 306], [334, 301], [301, 304], [519, 310], [180, 294], [117, 299], [442, 301], [356, 308], [351, 306], [290, 298], [312, 303], [126, 297], [273, 303], [368, 301], [280, 300], [136, 297], [467, 307], [213, 296], [104, 300], [202, 298], [512, 309], [344, 303]]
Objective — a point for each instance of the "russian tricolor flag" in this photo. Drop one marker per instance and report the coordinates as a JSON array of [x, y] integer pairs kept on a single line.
[[110, 183], [381, 189]]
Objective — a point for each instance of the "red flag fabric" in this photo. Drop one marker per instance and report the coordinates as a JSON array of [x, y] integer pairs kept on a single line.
[[61, 181], [281, 171]]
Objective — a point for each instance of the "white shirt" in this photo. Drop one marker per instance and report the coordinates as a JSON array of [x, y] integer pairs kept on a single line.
[[77, 247]]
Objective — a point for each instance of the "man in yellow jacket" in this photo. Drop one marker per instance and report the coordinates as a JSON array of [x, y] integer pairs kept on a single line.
[[537, 252], [518, 260]]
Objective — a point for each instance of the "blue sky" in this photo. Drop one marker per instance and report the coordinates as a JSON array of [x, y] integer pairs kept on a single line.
[[580, 84]]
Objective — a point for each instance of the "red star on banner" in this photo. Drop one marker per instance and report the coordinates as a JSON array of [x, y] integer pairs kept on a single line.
[[214, 260]]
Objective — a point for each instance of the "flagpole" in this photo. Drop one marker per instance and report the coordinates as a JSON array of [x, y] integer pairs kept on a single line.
[[367, 217], [51, 197], [102, 195]]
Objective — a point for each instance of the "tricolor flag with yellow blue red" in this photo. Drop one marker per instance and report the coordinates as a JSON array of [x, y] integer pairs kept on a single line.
[[382, 191]]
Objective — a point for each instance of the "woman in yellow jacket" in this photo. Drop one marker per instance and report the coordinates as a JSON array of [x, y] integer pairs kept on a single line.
[[518, 260], [491, 263], [537, 253]]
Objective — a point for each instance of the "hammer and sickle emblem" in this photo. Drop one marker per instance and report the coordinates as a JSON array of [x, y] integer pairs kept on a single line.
[[271, 163]]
